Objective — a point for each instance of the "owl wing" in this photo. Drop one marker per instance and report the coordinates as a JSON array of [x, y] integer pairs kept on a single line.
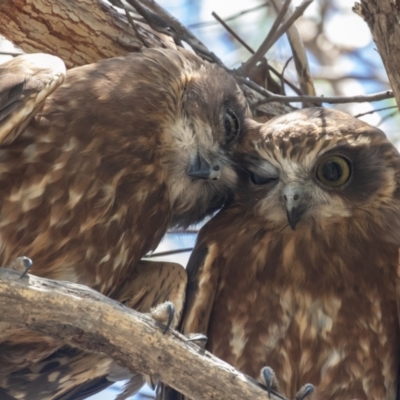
[[25, 83], [201, 290], [65, 373], [203, 279]]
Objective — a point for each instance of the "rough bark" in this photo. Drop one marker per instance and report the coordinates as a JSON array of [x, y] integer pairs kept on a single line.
[[383, 18], [85, 31], [79, 32], [87, 320]]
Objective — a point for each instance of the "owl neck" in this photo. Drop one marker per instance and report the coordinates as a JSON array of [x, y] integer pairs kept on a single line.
[[335, 258]]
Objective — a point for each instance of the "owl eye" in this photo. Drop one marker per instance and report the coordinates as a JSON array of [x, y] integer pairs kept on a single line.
[[261, 180], [334, 171], [231, 125]]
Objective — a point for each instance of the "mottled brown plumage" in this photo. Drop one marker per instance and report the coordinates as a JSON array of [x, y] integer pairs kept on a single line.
[[302, 275], [123, 150]]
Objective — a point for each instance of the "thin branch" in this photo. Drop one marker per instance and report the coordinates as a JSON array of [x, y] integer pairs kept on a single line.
[[169, 252], [266, 45], [374, 111], [231, 18], [386, 117], [232, 32], [120, 4], [183, 231], [87, 320], [283, 74], [300, 56], [161, 21], [10, 53], [247, 47], [268, 41], [270, 97]]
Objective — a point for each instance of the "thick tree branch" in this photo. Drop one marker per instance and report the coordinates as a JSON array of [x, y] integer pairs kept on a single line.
[[87, 320], [383, 18], [80, 32]]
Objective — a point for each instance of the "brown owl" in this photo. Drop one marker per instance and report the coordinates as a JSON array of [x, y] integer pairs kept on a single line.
[[300, 272], [92, 177]]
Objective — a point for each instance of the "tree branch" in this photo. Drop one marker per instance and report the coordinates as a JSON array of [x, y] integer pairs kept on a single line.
[[78, 32], [87, 320], [383, 18], [272, 97]]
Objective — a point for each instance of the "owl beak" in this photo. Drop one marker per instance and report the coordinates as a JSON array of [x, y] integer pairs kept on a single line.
[[293, 197], [200, 168]]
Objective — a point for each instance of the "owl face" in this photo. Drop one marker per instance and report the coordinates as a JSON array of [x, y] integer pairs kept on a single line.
[[318, 167], [201, 137]]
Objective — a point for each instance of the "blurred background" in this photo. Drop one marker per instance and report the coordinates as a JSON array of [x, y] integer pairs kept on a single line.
[[342, 57]]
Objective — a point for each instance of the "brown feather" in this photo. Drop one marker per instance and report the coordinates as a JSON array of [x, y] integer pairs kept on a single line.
[[98, 176], [318, 303]]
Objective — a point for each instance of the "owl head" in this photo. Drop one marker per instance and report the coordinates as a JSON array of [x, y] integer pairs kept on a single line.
[[315, 168]]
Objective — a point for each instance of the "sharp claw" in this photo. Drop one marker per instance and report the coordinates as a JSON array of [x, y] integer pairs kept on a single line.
[[198, 338], [21, 264], [305, 391], [171, 314], [27, 262], [267, 375], [164, 314], [151, 382]]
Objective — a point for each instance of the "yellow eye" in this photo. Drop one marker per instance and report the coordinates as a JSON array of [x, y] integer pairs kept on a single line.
[[231, 125], [334, 171]]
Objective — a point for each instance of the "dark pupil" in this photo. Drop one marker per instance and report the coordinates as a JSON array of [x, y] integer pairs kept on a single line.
[[332, 171], [228, 125]]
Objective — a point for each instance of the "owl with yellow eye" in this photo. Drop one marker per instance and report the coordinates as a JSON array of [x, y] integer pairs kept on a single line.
[[299, 274]]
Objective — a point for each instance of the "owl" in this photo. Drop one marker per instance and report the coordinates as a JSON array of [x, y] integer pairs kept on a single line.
[[95, 165], [299, 273]]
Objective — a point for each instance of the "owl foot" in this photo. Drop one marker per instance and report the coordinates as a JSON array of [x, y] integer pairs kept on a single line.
[[22, 265], [197, 338], [307, 390], [164, 314], [268, 379]]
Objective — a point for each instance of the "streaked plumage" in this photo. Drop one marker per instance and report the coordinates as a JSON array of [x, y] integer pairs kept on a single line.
[[123, 150], [302, 275]]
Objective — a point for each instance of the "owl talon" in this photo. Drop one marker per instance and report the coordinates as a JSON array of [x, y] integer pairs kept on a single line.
[[21, 264], [198, 338], [171, 314], [268, 378], [150, 381], [305, 391], [164, 314]]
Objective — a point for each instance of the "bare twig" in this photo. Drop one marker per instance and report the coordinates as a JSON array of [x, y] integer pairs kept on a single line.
[[10, 53], [161, 21], [231, 18], [183, 231], [386, 117], [268, 41], [87, 320], [265, 46], [374, 111], [270, 97], [299, 55], [247, 47], [232, 32], [169, 252], [283, 74], [120, 4]]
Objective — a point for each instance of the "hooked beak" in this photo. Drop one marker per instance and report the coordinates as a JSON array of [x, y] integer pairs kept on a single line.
[[295, 203], [200, 168]]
